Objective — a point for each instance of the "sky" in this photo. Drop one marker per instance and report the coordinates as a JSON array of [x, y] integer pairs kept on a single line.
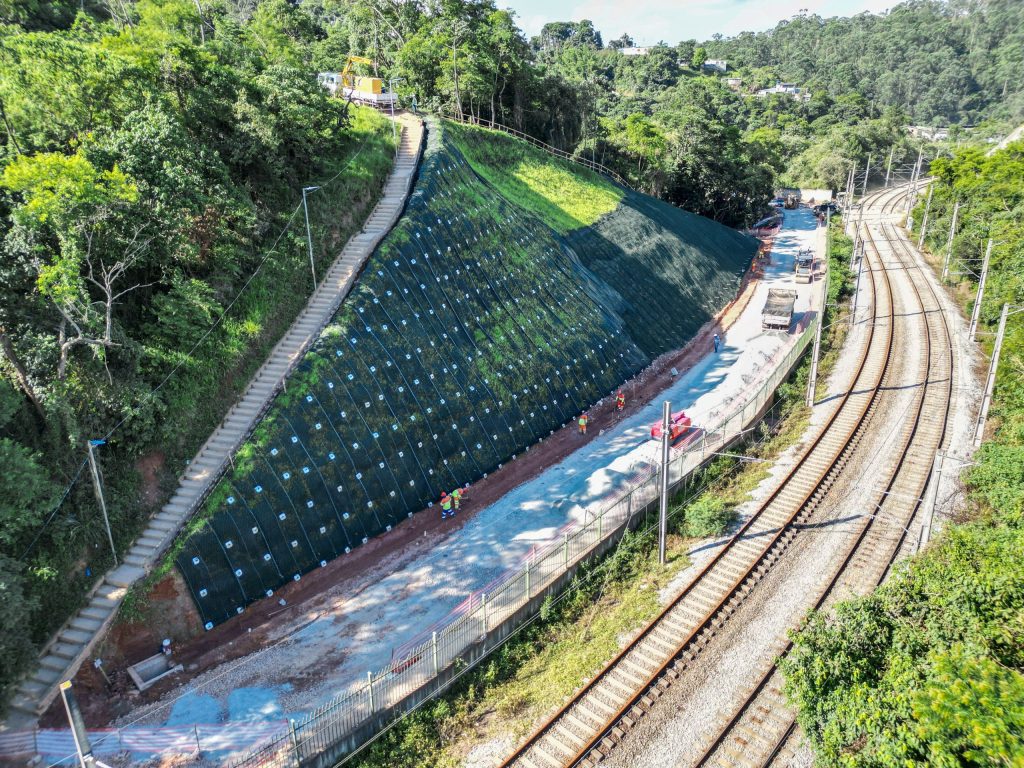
[[648, 21]]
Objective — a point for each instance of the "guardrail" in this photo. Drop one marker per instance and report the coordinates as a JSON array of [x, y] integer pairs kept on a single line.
[[486, 612], [578, 159]]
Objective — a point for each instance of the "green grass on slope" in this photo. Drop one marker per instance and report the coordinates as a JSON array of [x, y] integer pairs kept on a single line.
[[564, 196]]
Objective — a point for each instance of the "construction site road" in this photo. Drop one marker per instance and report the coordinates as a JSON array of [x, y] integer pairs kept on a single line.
[[330, 643]]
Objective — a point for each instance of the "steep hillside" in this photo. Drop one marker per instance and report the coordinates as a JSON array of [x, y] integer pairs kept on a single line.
[[514, 293]]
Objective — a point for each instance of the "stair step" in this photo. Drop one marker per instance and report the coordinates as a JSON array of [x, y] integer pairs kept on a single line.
[[46, 677], [23, 704], [85, 623], [55, 663], [33, 688], [96, 612], [143, 548], [136, 560], [66, 650]]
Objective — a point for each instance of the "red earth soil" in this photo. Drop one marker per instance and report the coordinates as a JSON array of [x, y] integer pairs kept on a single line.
[[172, 614]]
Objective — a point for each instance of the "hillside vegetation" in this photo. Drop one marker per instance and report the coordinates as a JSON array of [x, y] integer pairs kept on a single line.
[[475, 330], [151, 252], [929, 670]]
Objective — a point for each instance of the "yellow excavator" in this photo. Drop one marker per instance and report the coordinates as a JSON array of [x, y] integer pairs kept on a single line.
[[358, 88]]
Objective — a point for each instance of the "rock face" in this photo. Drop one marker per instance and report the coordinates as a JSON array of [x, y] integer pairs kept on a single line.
[[474, 329]]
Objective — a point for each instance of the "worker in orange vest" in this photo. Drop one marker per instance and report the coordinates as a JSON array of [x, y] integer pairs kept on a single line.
[[583, 423], [620, 401], [456, 498], [446, 505]]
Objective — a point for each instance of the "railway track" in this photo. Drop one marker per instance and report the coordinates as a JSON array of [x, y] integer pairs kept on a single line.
[[598, 715], [762, 730]]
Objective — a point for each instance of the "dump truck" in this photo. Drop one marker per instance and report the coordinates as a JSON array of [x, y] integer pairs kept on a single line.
[[804, 270], [778, 309]]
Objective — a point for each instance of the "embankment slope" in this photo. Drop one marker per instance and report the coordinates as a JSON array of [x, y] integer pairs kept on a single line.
[[515, 292]]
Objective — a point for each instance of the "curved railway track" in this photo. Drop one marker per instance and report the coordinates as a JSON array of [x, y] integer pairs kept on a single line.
[[762, 729], [596, 717]]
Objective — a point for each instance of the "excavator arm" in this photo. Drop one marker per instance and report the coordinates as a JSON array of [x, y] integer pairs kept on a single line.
[[354, 60]]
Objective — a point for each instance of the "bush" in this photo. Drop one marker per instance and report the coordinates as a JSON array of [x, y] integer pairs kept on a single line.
[[707, 516]]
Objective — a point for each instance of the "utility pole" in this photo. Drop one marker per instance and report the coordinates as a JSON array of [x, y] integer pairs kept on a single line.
[[856, 289], [666, 416], [933, 496], [918, 167], [867, 172], [990, 380], [852, 187], [394, 129], [976, 312], [78, 732], [888, 167], [97, 485], [812, 380], [949, 243], [924, 223], [309, 237]]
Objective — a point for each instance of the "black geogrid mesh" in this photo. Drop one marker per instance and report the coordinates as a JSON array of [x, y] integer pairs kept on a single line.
[[472, 332]]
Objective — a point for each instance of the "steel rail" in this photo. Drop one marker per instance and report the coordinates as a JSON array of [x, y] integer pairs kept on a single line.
[[823, 475], [719, 743]]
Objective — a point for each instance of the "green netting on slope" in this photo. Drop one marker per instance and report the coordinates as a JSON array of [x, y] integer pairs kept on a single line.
[[673, 269], [472, 332]]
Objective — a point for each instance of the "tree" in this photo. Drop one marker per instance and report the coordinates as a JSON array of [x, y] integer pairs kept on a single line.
[[700, 55], [621, 42]]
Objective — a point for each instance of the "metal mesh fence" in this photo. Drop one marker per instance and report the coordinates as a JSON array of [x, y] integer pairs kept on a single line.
[[487, 610], [472, 333]]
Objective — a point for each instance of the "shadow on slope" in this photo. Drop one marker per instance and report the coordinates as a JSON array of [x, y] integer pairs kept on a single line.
[[474, 330]]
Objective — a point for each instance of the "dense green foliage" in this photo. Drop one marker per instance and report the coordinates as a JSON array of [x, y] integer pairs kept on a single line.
[[150, 169], [929, 669], [940, 61]]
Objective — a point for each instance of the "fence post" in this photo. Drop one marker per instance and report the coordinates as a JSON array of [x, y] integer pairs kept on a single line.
[[369, 682], [295, 740], [600, 518], [433, 642], [565, 550], [195, 732], [528, 575], [483, 610]]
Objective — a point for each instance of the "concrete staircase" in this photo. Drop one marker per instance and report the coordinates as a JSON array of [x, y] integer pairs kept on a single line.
[[64, 654]]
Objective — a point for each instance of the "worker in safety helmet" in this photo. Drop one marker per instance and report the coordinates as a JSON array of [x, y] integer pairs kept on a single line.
[[583, 423], [446, 505], [456, 498], [620, 401], [717, 342]]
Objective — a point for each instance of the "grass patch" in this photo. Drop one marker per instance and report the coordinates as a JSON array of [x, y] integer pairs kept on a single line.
[[563, 195], [575, 634]]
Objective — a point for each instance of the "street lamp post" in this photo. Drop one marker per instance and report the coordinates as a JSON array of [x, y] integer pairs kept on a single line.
[[391, 90], [309, 237]]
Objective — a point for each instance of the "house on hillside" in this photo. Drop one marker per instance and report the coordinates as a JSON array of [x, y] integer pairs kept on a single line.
[[797, 93], [734, 82], [635, 51], [715, 65], [928, 132]]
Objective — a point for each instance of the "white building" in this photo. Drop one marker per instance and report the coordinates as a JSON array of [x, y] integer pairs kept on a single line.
[[635, 51], [715, 65], [797, 93]]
